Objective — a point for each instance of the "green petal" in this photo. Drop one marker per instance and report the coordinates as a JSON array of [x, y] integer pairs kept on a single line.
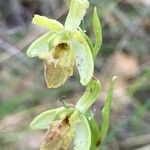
[[76, 13], [43, 120], [58, 38], [84, 61], [98, 33], [90, 96], [82, 135], [59, 66], [45, 22], [39, 48]]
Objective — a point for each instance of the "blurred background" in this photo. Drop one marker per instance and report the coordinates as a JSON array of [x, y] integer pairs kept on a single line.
[[125, 52]]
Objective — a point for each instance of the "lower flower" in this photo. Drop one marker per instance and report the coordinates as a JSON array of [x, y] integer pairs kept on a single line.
[[67, 128]]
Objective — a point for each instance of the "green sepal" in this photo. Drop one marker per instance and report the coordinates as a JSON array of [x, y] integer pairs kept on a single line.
[[106, 110], [84, 61], [90, 96], [40, 47], [43, 120], [47, 23], [76, 13], [98, 33], [82, 132]]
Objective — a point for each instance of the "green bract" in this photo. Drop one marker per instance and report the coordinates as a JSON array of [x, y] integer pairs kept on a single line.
[[63, 46], [106, 110], [90, 96], [98, 34]]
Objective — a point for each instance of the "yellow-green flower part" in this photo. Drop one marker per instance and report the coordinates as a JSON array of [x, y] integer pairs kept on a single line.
[[63, 47]]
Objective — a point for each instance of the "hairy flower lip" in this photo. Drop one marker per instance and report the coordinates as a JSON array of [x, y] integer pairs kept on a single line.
[[59, 134], [60, 49], [66, 130]]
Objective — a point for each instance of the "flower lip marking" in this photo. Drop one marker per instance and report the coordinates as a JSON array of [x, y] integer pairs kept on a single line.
[[59, 135], [60, 50]]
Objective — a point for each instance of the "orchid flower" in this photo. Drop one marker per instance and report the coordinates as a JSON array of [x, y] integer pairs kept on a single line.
[[69, 126], [64, 46]]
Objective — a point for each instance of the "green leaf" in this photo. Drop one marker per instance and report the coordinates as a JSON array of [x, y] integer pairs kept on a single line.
[[82, 132], [106, 110], [45, 22], [84, 61], [76, 13], [43, 120], [98, 33], [39, 48], [90, 96]]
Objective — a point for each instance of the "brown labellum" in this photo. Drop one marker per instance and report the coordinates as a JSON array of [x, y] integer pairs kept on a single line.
[[59, 136], [58, 67]]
